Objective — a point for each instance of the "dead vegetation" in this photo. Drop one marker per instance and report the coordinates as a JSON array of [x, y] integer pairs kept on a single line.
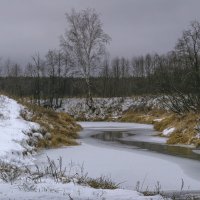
[[186, 126], [54, 170], [58, 129]]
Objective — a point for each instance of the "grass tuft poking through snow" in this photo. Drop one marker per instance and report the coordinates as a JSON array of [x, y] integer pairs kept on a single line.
[[56, 182], [20, 138]]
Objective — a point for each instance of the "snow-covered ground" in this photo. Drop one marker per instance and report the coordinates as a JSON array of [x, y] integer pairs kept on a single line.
[[13, 133], [128, 165], [15, 149], [106, 107], [48, 190]]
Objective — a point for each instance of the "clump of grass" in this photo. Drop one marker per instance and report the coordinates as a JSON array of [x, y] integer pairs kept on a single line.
[[59, 141], [60, 126], [137, 117], [184, 125], [102, 182], [178, 138], [167, 121], [142, 115]]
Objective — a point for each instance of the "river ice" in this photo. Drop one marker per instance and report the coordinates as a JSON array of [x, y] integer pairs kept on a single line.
[[128, 165]]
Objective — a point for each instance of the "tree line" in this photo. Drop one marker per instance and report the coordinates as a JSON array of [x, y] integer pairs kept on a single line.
[[82, 68]]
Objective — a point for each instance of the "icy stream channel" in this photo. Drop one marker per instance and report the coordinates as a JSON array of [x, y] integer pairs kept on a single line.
[[128, 153]]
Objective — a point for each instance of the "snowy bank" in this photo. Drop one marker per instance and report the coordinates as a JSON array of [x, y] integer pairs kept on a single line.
[[70, 191], [105, 108], [14, 142], [16, 149]]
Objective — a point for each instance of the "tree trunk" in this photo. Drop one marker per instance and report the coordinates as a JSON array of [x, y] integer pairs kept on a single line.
[[89, 99]]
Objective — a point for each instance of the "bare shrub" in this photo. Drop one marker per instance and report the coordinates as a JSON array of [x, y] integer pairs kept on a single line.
[[27, 187], [56, 171], [9, 173]]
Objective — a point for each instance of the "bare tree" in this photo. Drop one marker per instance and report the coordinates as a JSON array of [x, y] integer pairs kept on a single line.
[[15, 70], [7, 67], [84, 44], [51, 71], [188, 48], [55, 72], [38, 72], [188, 52], [29, 70]]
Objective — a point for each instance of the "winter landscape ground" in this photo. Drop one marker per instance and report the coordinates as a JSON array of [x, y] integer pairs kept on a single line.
[[19, 178], [100, 100], [29, 172]]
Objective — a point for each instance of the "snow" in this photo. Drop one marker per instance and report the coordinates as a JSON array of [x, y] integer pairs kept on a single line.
[[51, 191], [106, 107], [158, 119], [13, 141], [168, 131], [13, 145], [127, 165], [114, 125]]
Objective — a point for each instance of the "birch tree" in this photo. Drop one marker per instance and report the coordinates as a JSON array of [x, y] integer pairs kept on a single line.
[[84, 44]]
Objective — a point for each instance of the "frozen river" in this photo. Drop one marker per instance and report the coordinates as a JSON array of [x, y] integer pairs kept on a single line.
[[128, 153]]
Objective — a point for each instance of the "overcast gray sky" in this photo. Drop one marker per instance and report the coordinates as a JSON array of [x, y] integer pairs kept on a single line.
[[135, 26]]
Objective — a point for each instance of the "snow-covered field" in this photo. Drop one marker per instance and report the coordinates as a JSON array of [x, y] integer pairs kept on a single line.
[[15, 149], [128, 165], [49, 190]]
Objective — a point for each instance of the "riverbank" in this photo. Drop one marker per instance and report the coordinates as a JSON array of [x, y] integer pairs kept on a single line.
[[178, 129], [22, 129], [127, 164], [58, 127]]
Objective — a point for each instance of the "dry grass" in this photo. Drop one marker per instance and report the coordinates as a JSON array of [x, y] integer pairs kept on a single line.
[[168, 120], [137, 117], [142, 115], [185, 130], [184, 125], [62, 128], [102, 183]]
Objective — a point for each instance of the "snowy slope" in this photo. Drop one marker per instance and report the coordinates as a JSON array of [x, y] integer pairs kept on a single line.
[[51, 191], [13, 146], [13, 129], [106, 107]]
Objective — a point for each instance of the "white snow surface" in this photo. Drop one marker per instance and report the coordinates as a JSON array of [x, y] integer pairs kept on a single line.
[[168, 131], [127, 165], [51, 191], [114, 125], [13, 129], [13, 142]]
